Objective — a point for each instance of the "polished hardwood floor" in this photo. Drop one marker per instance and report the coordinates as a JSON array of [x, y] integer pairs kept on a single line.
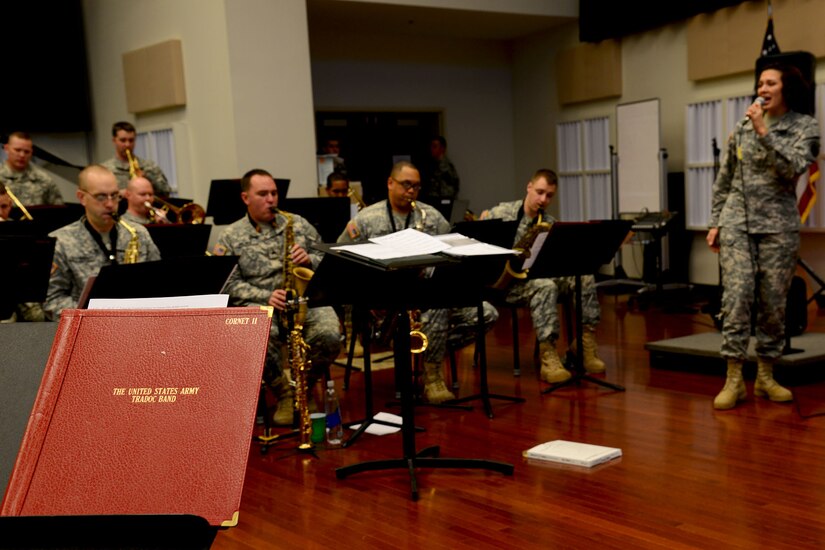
[[689, 477]]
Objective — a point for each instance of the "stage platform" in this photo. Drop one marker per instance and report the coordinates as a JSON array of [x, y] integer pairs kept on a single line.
[[704, 347]]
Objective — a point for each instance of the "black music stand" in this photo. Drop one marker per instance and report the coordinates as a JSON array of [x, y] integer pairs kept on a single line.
[[576, 249], [395, 286], [27, 262], [225, 204], [177, 239], [173, 277]]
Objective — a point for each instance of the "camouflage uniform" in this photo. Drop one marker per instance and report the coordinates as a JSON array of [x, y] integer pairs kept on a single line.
[[77, 257], [373, 221], [31, 186], [132, 219], [542, 295], [443, 182], [261, 271], [151, 171], [754, 206]]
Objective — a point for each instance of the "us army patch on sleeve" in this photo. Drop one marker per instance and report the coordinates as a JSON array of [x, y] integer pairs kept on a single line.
[[352, 231]]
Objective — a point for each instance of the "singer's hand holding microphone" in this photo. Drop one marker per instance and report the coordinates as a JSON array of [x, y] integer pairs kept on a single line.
[[754, 113]]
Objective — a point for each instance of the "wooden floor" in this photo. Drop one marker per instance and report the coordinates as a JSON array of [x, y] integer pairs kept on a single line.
[[689, 477]]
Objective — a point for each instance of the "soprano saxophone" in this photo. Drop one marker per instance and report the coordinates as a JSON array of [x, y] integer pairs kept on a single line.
[[296, 279]]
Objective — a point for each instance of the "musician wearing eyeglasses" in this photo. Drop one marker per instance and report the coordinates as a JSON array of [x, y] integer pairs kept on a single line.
[[541, 295], [262, 240], [125, 164], [30, 184], [400, 211], [95, 240]]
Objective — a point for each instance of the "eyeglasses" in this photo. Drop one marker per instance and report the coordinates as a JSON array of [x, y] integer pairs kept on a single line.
[[407, 185], [103, 197]]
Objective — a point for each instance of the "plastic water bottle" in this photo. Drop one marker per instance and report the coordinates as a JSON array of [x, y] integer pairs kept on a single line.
[[335, 429]]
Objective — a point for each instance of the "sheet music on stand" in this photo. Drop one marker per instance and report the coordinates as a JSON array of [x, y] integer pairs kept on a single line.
[[411, 243]]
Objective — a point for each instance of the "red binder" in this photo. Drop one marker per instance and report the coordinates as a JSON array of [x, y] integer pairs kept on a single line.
[[143, 412]]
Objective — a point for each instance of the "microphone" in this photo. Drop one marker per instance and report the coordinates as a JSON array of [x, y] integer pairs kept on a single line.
[[760, 101]]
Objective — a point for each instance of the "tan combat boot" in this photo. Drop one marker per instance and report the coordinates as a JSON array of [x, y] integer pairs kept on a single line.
[[592, 363], [734, 389], [435, 390], [285, 409], [552, 371], [766, 386]]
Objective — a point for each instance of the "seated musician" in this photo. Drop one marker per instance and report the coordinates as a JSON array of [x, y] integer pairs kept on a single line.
[[337, 185], [140, 196], [270, 243], [542, 294], [399, 212], [30, 184], [5, 204], [95, 240]]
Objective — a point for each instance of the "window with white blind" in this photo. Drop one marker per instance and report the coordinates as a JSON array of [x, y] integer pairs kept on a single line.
[[583, 152], [159, 146]]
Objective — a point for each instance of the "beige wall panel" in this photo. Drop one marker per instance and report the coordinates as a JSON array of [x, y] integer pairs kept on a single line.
[[728, 41], [154, 77], [589, 71]]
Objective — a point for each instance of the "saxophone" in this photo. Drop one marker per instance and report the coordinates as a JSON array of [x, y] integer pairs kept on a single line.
[[300, 366], [513, 267], [133, 248], [134, 167], [353, 194], [296, 279]]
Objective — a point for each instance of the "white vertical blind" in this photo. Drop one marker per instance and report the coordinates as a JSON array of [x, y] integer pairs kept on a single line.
[[584, 169], [159, 146]]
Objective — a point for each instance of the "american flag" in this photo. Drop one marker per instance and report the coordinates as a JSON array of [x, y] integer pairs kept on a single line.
[[806, 185], [806, 194]]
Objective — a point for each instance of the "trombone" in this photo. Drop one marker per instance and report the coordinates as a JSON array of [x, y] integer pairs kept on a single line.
[[188, 213]]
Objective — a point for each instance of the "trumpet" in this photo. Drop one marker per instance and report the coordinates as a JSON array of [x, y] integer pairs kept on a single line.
[[190, 212]]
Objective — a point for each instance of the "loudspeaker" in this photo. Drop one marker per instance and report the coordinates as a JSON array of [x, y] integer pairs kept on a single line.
[[804, 61]]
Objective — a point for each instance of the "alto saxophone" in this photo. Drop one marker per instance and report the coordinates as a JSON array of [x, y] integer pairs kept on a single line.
[[513, 267], [353, 194], [133, 248], [296, 279]]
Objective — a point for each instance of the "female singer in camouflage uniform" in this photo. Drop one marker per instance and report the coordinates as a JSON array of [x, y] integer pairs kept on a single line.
[[755, 226]]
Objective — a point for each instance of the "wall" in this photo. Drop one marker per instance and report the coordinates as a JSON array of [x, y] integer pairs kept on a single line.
[[469, 80], [654, 65], [248, 91]]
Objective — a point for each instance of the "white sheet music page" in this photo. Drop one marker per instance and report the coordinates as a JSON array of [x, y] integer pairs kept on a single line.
[[401, 244], [535, 249], [170, 302], [461, 245]]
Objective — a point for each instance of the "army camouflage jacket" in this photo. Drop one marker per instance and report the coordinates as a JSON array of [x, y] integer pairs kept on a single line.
[[151, 171], [31, 186], [261, 250], [77, 257], [509, 211], [755, 189], [374, 221]]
